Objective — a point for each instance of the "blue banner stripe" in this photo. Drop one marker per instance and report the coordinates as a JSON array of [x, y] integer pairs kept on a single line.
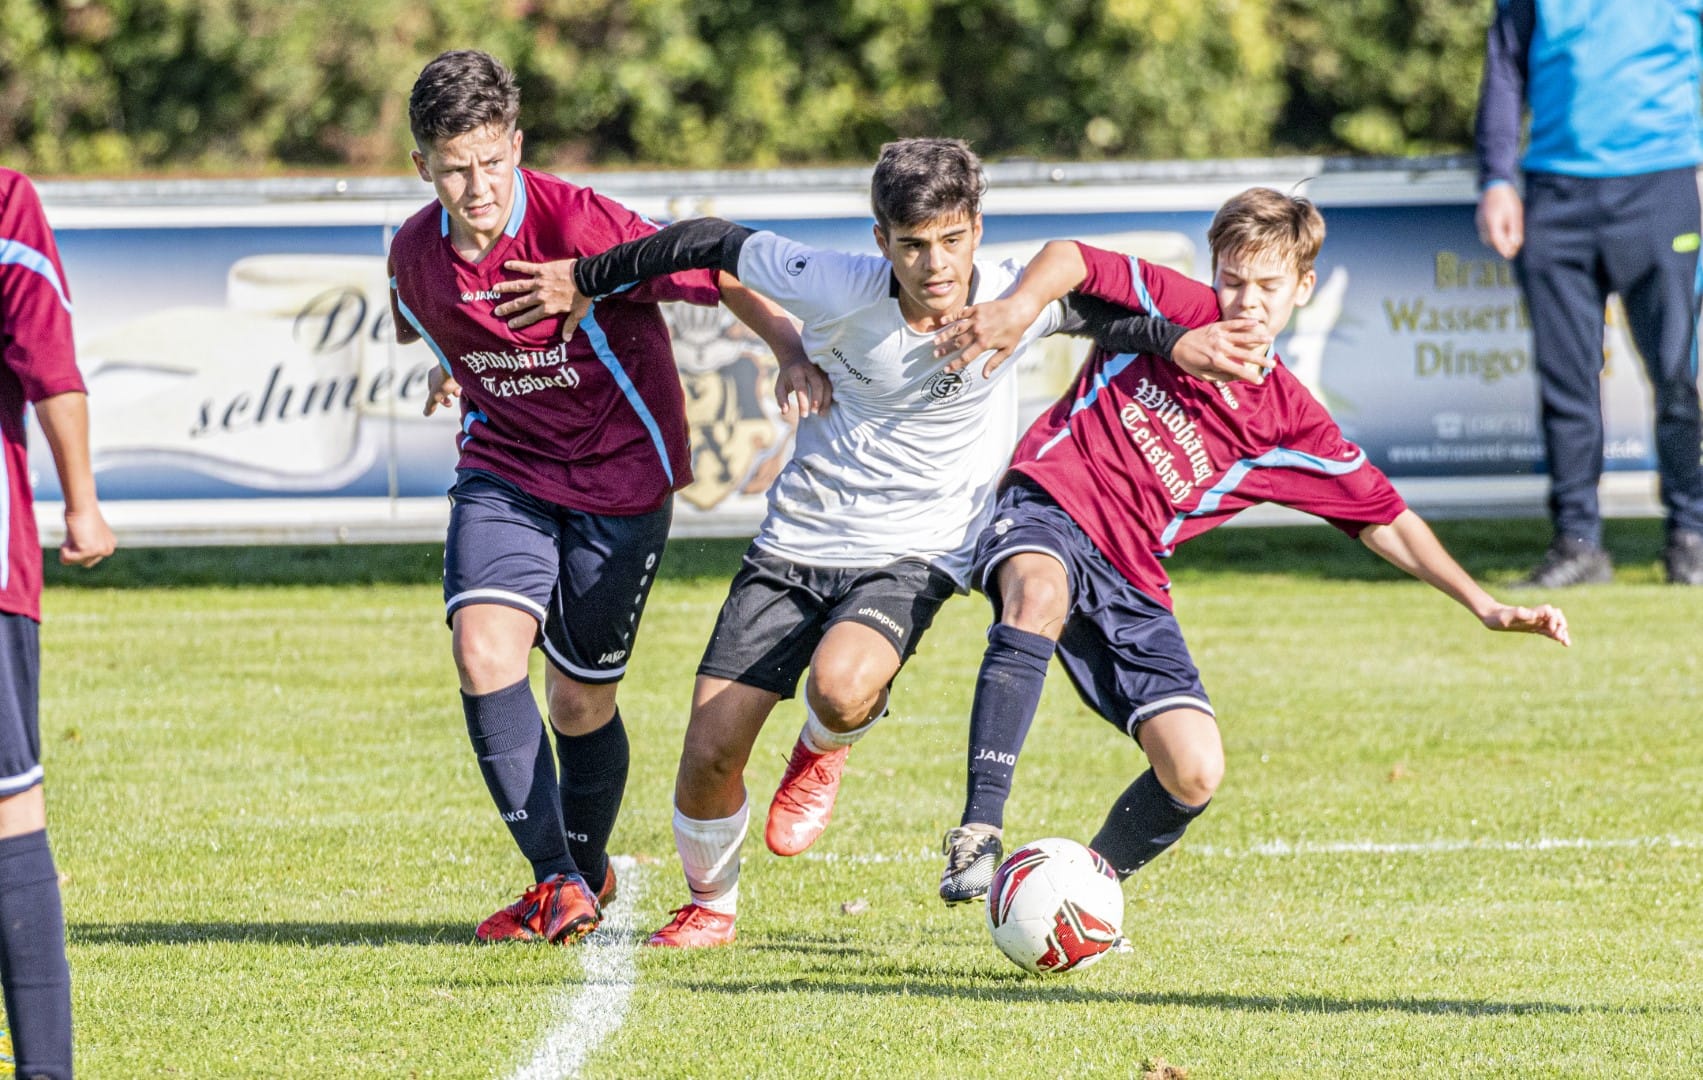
[[600, 345], [18, 253], [1280, 458]]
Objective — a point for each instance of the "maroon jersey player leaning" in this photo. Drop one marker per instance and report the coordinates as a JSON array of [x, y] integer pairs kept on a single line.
[[573, 441], [1135, 459]]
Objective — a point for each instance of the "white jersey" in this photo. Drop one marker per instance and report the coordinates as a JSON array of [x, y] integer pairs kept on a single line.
[[905, 461]]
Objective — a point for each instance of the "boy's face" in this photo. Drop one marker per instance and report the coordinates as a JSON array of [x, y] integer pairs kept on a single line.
[[473, 175], [933, 262], [1260, 286]]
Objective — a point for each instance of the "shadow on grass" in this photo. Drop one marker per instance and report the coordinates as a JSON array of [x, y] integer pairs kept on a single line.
[[1023, 989], [271, 933], [1494, 551]]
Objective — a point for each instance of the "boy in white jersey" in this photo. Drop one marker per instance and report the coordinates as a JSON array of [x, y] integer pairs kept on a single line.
[[871, 522]]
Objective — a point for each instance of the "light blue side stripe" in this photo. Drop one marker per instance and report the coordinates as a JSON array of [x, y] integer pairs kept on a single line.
[[600, 345], [1108, 371], [1141, 293], [18, 253], [467, 424], [1280, 458], [414, 321]]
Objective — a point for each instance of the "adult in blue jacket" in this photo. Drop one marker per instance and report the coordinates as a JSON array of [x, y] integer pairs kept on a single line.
[[1611, 205]]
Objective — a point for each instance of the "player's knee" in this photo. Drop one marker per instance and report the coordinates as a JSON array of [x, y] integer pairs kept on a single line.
[[842, 694], [1193, 777], [1036, 603], [709, 764]]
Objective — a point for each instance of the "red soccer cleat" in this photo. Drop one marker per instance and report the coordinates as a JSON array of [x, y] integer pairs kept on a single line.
[[694, 927], [805, 799], [606, 895], [560, 909]]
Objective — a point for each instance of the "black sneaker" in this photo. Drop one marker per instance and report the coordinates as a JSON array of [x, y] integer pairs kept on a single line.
[[1684, 558], [1571, 562], [973, 853]]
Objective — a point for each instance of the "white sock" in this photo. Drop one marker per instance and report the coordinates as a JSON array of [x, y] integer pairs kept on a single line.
[[823, 740], [709, 853]]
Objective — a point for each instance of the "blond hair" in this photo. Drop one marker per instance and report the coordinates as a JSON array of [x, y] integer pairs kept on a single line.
[[1261, 221]]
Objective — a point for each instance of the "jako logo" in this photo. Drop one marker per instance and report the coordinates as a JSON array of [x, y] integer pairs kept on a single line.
[[484, 294], [995, 755], [883, 618], [579, 838], [612, 657], [515, 815]]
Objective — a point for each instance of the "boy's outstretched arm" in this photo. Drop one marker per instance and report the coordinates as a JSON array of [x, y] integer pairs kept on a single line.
[[799, 384], [1409, 544], [1219, 352]]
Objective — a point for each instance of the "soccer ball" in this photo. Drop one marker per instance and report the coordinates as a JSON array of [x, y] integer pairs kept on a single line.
[[1055, 906]]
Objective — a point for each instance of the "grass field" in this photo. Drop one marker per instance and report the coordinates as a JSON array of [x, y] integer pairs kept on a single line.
[[1437, 852]]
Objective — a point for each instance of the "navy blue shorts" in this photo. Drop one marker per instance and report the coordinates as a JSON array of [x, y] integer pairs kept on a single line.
[[584, 577], [1122, 649], [777, 610], [20, 727]]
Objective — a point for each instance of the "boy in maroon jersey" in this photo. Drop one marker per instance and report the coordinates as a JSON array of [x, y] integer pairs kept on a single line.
[[1135, 459], [573, 442], [40, 367]]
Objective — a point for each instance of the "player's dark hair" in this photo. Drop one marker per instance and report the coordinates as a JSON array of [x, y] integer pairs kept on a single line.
[[1261, 221], [921, 180], [459, 92]]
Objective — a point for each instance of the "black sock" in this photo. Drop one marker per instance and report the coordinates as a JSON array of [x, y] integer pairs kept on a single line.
[[508, 736], [1144, 821], [1008, 691], [32, 957], [594, 777]]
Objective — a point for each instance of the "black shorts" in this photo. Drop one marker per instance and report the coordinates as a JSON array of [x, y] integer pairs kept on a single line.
[[584, 577], [777, 610], [20, 681], [1122, 649]]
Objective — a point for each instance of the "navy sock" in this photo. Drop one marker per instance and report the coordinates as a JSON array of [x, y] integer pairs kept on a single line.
[[1144, 821], [508, 736], [1008, 691], [594, 777], [32, 957]]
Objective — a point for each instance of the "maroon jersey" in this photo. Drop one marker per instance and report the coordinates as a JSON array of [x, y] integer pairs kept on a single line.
[[40, 361], [1143, 456], [596, 423]]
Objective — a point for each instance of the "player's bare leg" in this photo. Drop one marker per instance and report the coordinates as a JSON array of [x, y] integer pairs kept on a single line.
[[491, 644], [1187, 757], [710, 811], [1034, 594], [844, 695]]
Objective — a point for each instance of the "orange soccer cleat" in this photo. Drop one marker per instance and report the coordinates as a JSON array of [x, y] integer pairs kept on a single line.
[[804, 800]]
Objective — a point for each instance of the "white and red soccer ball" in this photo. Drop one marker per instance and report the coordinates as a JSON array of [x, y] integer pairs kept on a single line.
[[1055, 906]]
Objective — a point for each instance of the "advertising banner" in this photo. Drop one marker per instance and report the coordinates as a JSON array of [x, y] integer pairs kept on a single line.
[[245, 384]]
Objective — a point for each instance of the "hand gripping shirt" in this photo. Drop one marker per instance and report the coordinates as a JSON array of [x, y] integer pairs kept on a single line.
[[596, 423], [1144, 457], [40, 362]]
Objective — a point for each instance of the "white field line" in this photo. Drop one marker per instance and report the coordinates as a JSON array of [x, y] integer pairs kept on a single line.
[[1287, 849], [587, 1014]]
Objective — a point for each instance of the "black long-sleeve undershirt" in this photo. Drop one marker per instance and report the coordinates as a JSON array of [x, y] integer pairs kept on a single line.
[[709, 243]]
